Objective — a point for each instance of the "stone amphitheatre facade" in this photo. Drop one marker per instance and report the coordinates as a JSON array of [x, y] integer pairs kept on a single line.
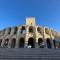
[[29, 34]]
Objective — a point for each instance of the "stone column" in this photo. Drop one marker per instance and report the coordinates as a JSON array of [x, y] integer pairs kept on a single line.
[[9, 44], [26, 44], [19, 29], [6, 32], [45, 43], [2, 44], [44, 38], [26, 36], [12, 30], [36, 45], [26, 41], [52, 43], [51, 39], [17, 43]]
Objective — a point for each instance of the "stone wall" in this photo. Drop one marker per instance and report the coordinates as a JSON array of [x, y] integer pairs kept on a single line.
[[19, 36]]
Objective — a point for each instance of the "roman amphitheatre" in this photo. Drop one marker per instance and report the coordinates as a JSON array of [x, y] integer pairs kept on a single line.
[[22, 36]]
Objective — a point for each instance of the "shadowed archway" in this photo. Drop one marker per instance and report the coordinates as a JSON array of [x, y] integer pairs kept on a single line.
[[31, 29], [31, 42], [40, 40], [6, 43], [0, 42], [48, 43], [13, 43], [21, 43]]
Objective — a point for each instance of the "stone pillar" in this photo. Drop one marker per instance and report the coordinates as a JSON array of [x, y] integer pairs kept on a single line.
[[19, 29], [17, 43], [44, 38], [26, 44], [6, 32], [26, 36], [45, 43], [52, 43], [51, 39], [9, 44], [26, 41], [12, 30], [36, 45], [2, 44]]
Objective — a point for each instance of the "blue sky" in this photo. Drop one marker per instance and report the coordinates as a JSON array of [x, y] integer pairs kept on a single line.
[[14, 12]]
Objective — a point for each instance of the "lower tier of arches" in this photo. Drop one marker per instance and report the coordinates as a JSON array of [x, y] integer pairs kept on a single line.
[[47, 43]]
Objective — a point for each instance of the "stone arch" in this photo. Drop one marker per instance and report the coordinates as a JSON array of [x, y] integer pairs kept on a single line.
[[21, 43], [40, 30], [31, 29], [0, 41], [48, 43], [40, 40], [15, 30], [6, 43], [59, 45], [47, 31], [13, 43], [23, 29], [9, 30], [31, 42]]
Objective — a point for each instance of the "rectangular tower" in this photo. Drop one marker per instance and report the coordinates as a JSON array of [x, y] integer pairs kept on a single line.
[[30, 21]]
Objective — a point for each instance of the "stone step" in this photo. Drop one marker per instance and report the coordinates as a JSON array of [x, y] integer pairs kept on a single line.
[[29, 54]]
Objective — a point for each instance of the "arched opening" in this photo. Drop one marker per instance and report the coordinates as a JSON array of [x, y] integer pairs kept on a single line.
[[54, 42], [15, 30], [23, 30], [0, 42], [59, 45], [13, 43], [31, 42], [6, 43], [47, 30], [39, 29], [3, 31], [9, 30], [40, 42], [48, 43], [21, 43], [31, 29]]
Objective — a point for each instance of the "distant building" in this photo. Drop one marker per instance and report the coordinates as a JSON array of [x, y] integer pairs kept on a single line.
[[29, 34]]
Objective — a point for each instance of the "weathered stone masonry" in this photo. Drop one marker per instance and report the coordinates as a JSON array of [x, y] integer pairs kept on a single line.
[[29, 34]]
